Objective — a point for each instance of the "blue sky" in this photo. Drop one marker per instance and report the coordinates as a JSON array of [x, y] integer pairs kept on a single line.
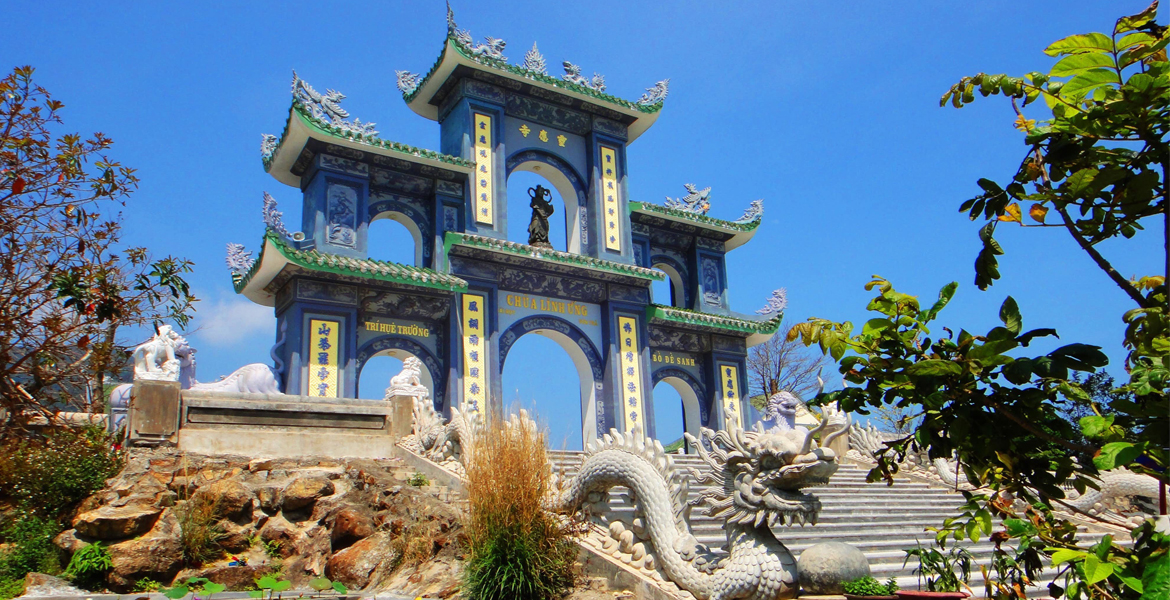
[[828, 112]]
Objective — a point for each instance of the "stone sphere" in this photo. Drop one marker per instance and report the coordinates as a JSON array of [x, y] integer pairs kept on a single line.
[[825, 567]]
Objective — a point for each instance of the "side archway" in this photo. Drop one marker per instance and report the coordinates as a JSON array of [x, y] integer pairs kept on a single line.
[[581, 351], [676, 273], [568, 184], [401, 348], [409, 212], [695, 413]]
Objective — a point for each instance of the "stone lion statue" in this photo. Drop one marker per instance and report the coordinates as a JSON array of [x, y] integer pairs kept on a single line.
[[408, 382], [161, 357]]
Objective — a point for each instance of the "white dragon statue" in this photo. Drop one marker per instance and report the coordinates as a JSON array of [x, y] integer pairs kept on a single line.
[[757, 479], [696, 201]]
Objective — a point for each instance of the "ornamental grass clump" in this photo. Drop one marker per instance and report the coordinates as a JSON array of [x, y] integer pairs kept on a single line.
[[516, 549]]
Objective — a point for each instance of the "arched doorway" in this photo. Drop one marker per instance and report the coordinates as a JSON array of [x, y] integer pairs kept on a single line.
[[534, 362], [384, 357], [677, 407], [566, 184], [676, 280], [387, 241]]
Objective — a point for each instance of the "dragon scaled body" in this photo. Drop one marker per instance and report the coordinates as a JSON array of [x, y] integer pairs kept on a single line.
[[757, 480]]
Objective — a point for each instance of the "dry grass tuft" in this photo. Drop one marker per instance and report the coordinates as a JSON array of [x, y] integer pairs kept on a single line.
[[516, 549]]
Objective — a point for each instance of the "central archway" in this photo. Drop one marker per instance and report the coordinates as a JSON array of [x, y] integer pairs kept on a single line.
[[586, 359], [401, 348], [689, 390]]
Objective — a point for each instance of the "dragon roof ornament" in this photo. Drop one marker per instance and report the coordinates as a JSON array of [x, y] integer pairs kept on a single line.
[[407, 81], [696, 201], [327, 107], [273, 218], [777, 302], [493, 48], [239, 260], [753, 212], [573, 75], [654, 94], [268, 144]]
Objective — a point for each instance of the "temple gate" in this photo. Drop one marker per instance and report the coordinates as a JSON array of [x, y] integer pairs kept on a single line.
[[471, 293]]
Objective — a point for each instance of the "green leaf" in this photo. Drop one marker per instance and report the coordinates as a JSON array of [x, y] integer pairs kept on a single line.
[[1080, 44], [944, 297], [1095, 426], [176, 592], [281, 586], [1079, 63], [1132, 583], [1156, 578], [1026, 338], [1081, 181], [1078, 87], [266, 582], [1096, 570], [934, 367], [1116, 454], [212, 587], [1137, 21], [1019, 527], [984, 519], [1064, 555], [321, 584], [340, 588], [1018, 371], [1134, 39], [1009, 314]]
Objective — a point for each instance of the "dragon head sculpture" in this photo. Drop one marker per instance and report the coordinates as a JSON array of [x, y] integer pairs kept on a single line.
[[758, 476]]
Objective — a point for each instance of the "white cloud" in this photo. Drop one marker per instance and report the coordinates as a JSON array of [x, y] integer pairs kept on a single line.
[[230, 320]]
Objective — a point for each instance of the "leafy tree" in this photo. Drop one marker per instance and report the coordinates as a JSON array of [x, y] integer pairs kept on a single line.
[[782, 364], [1101, 164], [68, 287]]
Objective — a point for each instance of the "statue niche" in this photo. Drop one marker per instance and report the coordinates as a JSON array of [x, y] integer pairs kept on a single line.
[[542, 209]]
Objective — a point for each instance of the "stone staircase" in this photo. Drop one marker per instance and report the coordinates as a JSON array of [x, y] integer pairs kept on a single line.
[[879, 520]]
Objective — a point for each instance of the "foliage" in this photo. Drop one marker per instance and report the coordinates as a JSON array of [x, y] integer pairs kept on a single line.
[[943, 571], [147, 585], [418, 480], [416, 540], [200, 586], [67, 283], [674, 446], [322, 584], [1010, 576], [51, 473], [516, 550], [268, 586], [271, 548], [11, 588], [30, 546], [89, 564], [868, 586], [200, 531], [1100, 163], [782, 364]]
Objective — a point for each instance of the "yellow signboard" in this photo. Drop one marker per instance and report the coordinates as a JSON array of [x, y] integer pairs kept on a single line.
[[729, 382], [475, 361], [609, 187], [547, 305], [482, 147], [412, 329], [323, 366], [631, 392]]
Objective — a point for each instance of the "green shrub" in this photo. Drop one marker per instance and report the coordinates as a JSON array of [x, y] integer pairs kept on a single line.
[[868, 586], [30, 539], [50, 474], [200, 532], [418, 480], [146, 585], [89, 565], [11, 588], [516, 550]]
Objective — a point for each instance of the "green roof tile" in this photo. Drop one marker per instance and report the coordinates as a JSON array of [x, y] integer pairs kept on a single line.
[[568, 258]]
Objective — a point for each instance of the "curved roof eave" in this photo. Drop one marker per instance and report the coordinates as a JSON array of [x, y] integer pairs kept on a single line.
[[452, 57], [268, 269]]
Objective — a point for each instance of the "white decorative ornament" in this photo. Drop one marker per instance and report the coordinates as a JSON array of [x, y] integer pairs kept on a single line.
[[573, 75], [158, 359], [777, 302], [256, 378], [781, 409], [655, 94], [267, 145], [239, 260], [408, 382], [408, 82], [327, 107], [272, 217], [753, 212], [696, 201], [534, 61]]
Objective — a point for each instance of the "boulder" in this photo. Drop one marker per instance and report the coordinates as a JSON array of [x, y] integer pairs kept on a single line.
[[233, 498], [351, 524], [278, 529], [236, 538], [157, 555], [303, 492], [39, 585], [269, 498], [69, 541], [116, 522], [238, 578], [354, 565], [825, 567]]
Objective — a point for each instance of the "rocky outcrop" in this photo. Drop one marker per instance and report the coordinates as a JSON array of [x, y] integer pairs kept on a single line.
[[301, 519]]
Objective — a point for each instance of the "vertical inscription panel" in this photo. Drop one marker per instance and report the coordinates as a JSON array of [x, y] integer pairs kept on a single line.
[[483, 196], [609, 189], [323, 350], [729, 383], [631, 393], [474, 354]]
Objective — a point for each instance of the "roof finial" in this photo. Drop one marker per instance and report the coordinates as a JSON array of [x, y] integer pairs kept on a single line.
[[534, 61], [777, 302], [696, 201], [450, 19]]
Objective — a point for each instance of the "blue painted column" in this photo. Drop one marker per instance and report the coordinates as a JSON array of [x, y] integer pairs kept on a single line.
[[471, 122], [334, 213]]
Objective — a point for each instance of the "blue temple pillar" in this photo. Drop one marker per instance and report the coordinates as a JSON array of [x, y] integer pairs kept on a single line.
[[609, 226], [334, 213], [471, 123]]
